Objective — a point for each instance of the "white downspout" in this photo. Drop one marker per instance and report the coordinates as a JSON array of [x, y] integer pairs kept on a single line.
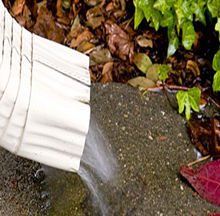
[[44, 97]]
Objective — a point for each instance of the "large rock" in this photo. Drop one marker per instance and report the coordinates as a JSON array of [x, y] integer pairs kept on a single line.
[[150, 143]]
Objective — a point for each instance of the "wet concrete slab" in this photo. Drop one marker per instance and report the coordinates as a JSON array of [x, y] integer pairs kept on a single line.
[[150, 143]]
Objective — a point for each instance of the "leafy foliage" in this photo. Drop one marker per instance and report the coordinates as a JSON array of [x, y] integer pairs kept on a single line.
[[216, 67], [178, 16], [163, 71], [216, 81], [189, 99]]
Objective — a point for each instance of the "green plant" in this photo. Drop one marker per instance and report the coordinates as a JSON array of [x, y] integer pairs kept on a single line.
[[176, 16], [179, 16], [188, 99], [163, 71], [216, 67]]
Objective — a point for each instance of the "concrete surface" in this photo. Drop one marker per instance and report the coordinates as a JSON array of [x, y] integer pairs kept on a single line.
[[150, 143]]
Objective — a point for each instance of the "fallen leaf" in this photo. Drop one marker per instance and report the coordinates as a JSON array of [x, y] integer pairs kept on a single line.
[[107, 73], [216, 214], [92, 2], [59, 8], [214, 148], [95, 17], [119, 42], [123, 71], [76, 27], [152, 72], [142, 82], [193, 67], [24, 18], [32, 6], [144, 42], [84, 36], [142, 61], [100, 56], [46, 26], [84, 46], [205, 180], [17, 7], [202, 102], [199, 135]]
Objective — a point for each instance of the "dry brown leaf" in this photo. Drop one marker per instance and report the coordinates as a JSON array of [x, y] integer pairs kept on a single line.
[[109, 7], [92, 2], [32, 5], [107, 73], [142, 82], [24, 18], [192, 66], [214, 147], [119, 42], [95, 17], [100, 56], [59, 8], [84, 36], [17, 7], [152, 72], [144, 42], [92, 76], [107, 67], [85, 46], [46, 26], [202, 102]]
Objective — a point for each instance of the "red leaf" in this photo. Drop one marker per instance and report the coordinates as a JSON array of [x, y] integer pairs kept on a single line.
[[205, 180], [216, 214]]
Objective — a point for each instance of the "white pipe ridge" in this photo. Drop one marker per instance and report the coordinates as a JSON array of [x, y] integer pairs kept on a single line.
[[44, 97]]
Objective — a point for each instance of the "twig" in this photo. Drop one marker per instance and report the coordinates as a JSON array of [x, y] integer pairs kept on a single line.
[[198, 161], [167, 95], [212, 100], [172, 87]]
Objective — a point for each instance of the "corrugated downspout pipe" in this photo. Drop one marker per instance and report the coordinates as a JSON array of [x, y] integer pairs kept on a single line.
[[44, 97]]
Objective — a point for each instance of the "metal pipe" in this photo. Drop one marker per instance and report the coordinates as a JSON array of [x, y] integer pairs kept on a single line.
[[44, 97]]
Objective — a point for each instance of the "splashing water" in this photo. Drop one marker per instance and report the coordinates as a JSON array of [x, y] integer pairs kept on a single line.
[[98, 166]]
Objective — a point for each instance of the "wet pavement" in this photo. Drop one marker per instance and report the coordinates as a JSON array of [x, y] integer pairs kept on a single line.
[[150, 142]]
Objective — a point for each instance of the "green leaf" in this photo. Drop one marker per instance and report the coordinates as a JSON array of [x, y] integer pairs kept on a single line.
[[216, 81], [199, 11], [139, 16], [173, 43], [142, 61], [161, 5], [156, 17], [189, 99], [189, 35], [167, 19], [216, 61], [217, 27], [187, 10], [214, 6], [163, 71], [146, 6]]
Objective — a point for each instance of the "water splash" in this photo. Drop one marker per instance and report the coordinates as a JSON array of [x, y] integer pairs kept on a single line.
[[98, 166]]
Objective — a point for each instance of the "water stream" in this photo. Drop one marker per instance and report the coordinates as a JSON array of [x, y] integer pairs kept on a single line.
[[98, 170], [98, 166]]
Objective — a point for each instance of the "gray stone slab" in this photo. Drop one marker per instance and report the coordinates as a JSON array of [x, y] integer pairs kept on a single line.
[[150, 143]]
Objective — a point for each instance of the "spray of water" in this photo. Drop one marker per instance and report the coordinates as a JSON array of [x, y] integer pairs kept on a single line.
[[98, 166]]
